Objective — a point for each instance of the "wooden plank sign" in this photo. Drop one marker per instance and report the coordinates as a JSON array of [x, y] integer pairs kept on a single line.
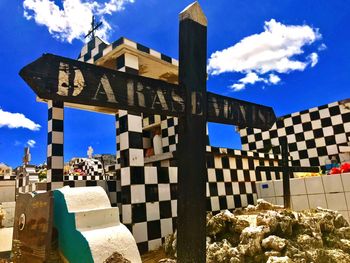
[[57, 78], [32, 229]]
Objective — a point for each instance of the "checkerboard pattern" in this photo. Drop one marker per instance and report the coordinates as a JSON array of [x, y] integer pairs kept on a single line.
[[169, 134], [313, 135], [97, 48], [149, 194], [91, 167], [93, 50], [55, 161]]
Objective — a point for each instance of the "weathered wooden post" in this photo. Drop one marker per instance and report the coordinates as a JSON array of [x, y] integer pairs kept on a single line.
[[192, 171], [286, 173]]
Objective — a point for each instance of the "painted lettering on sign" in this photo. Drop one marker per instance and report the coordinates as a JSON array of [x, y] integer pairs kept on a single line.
[[56, 78]]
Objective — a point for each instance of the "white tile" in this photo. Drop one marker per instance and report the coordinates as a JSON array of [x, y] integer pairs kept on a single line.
[[297, 186], [215, 205], [174, 208], [230, 202], [125, 176], [138, 194], [227, 175], [164, 192], [244, 200], [221, 188], [152, 211], [278, 184], [166, 226], [134, 123], [314, 185], [235, 188], [136, 157], [211, 175], [279, 200], [299, 202], [126, 214], [140, 232], [332, 183], [346, 181], [154, 244], [151, 175], [336, 201], [317, 200], [266, 189]]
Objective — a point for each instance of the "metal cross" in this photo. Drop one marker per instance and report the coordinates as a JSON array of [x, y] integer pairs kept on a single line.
[[94, 27]]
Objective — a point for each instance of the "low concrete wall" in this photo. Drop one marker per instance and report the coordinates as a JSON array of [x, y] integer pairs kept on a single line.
[[327, 191], [7, 191]]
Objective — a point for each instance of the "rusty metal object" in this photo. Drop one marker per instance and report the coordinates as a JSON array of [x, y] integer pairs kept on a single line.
[[32, 230]]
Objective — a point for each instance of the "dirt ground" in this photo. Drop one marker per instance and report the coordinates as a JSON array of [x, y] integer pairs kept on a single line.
[[153, 256]]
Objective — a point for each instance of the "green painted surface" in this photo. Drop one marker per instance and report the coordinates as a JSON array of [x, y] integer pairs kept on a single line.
[[72, 243]]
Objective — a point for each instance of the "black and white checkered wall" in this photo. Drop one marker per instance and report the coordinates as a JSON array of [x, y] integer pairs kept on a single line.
[[149, 194], [55, 161], [313, 135]]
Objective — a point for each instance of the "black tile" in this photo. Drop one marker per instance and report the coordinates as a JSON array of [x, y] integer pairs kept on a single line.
[[338, 129], [242, 189], [219, 175], [138, 213], [237, 200], [322, 151], [300, 137], [293, 147], [153, 230], [137, 175], [210, 161], [307, 126], [151, 192], [228, 188], [326, 122], [126, 195], [57, 149], [250, 199], [163, 175], [310, 144], [222, 202], [330, 140], [318, 133], [173, 191], [225, 162], [166, 58], [165, 209], [135, 140], [334, 110], [213, 189], [234, 176], [142, 247], [296, 119], [315, 115], [346, 117], [303, 154], [289, 130], [57, 125], [143, 48], [273, 133]]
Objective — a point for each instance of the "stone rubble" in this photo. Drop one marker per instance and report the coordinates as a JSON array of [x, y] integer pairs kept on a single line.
[[267, 233], [2, 216]]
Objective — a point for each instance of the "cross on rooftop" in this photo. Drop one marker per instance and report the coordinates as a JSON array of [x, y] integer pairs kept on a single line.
[[94, 27]]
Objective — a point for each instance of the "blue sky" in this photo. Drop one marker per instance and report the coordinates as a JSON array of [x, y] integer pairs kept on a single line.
[[292, 55]]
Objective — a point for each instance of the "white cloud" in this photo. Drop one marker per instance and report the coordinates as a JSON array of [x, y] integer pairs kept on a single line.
[[278, 49], [313, 58], [274, 79], [17, 120], [72, 21], [31, 143], [252, 78]]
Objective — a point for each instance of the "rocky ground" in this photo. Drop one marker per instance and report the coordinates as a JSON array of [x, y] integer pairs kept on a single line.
[[271, 234]]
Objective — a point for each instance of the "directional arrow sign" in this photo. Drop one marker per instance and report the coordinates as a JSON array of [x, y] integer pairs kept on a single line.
[[57, 78]]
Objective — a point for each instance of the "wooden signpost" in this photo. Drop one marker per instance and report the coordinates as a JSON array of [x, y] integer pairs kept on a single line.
[[57, 78], [286, 170]]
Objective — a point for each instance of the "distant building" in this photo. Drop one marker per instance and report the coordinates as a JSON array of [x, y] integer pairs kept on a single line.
[[5, 170]]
